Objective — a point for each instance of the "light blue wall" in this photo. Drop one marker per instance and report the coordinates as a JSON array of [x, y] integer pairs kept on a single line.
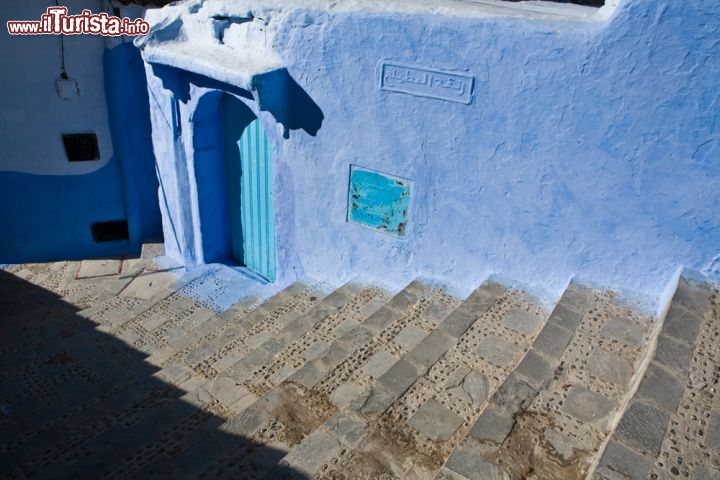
[[589, 150]]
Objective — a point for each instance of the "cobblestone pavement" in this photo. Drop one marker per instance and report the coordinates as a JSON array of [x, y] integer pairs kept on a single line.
[[119, 369]]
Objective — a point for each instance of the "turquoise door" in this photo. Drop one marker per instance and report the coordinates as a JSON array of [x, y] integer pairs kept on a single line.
[[249, 174]]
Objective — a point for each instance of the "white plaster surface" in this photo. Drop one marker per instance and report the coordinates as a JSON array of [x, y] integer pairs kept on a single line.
[[30, 106]]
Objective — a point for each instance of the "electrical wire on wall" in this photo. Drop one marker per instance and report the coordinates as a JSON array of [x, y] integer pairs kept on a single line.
[[67, 88], [63, 71]]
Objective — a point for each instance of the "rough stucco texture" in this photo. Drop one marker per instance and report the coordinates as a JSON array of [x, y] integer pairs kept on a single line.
[[587, 149]]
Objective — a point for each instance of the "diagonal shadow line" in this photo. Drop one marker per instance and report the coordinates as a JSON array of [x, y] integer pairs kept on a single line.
[[78, 403]]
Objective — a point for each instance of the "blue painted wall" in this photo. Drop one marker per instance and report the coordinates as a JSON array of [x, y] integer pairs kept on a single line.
[[47, 204], [48, 217], [128, 107], [589, 149]]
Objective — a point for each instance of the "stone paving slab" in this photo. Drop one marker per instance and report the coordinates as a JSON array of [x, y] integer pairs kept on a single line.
[[643, 427], [661, 388], [407, 297], [150, 285], [682, 324], [620, 462], [436, 313], [713, 437], [409, 337], [552, 340], [566, 317], [99, 268], [348, 428], [610, 367], [350, 396], [673, 355], [151, 250], [535, 370], [391, 385], [620, 330], [381, 319], [523, 321], [435, 421], [225, 390], [577, 297], [498, 350], [379, 363], [472, 466], [587, 406], [513, 395], [493, 425], [312, 452], [692, 295], [458, 322], [431, 348], [473, 387]]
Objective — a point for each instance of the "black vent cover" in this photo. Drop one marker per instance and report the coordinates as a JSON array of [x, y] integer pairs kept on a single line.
[[81, 147], [114, 231]]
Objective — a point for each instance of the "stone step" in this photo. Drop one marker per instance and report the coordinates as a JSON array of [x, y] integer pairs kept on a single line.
[[288, 411], [120, 426], [178, 306], [333, 359], [248, 339], [228, 356], [34, 325], [342, 376], [156, 326], [105, 406], [223, 340], [234, 397], [671, 427], [199, 454], [278, 357], [19, 297], [405, 420], [551, 414]]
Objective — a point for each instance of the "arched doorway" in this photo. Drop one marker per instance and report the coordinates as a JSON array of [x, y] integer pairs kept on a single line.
[[233, 171], [248, 161]]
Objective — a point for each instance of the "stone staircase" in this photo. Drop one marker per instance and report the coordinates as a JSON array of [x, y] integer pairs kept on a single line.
[[671, 427], [117, 369]]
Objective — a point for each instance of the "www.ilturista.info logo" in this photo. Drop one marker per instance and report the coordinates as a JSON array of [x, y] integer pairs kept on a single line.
[[56, 21]]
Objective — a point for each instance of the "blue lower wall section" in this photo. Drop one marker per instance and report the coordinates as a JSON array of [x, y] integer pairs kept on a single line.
[[129, 107], [49, 217]]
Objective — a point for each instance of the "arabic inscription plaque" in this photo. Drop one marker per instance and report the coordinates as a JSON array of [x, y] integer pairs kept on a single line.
[[426, 82]]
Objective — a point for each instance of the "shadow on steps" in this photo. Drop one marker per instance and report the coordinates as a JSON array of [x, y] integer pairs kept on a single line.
[[77, 403]]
